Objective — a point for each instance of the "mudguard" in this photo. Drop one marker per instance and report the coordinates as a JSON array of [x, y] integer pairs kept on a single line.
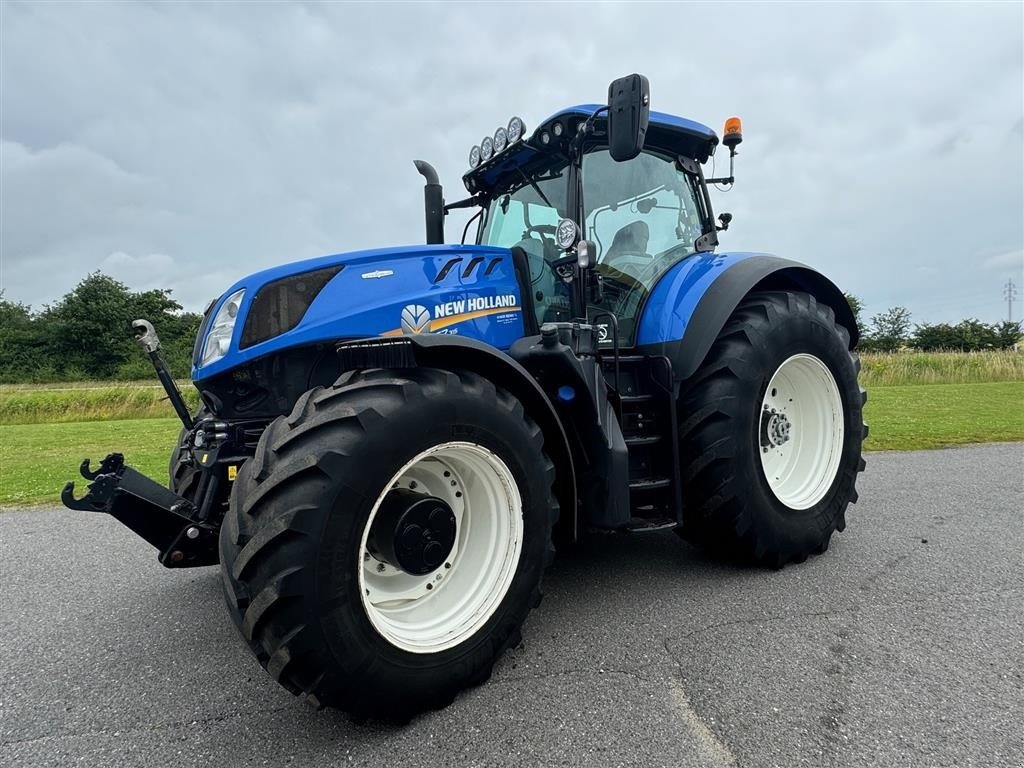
[[460, 352], [691, 302]]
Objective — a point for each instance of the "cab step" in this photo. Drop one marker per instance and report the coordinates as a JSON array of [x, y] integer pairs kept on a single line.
[[650, 484], [644, 440]]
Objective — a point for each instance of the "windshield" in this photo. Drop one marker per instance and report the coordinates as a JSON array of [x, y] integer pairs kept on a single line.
[[525, 215]]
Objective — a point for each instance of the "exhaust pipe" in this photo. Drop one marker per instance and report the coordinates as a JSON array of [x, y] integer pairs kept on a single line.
[[433, 202]]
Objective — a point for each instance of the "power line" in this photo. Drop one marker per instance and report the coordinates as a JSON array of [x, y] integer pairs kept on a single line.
[[1009, 293]]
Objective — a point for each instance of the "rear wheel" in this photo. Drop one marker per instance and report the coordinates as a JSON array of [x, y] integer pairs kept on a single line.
[[386, 542], [771, 432]]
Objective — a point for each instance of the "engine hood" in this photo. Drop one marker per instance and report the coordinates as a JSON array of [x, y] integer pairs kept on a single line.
[[456, 289]]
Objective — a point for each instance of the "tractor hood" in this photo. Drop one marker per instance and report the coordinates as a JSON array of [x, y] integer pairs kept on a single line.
[[468, 290]]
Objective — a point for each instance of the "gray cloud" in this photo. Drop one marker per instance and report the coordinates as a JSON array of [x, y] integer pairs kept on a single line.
[[185, 145]]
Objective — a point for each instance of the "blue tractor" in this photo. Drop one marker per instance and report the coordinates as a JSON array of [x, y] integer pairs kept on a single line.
[[392, 442]]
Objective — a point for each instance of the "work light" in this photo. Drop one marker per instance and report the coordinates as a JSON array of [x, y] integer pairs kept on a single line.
[[500, 140], [474, 156], [486, 149], [515, 130]]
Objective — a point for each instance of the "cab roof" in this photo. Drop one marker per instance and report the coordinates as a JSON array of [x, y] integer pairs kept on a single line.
[[667, 133]]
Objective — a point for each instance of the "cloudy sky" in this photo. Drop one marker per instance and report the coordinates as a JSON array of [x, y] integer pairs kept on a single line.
[[183, 146]]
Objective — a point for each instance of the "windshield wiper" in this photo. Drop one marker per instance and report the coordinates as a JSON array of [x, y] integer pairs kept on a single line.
[[536, 189]]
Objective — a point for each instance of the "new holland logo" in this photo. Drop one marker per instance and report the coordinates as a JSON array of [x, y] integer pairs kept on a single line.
[[415, 319]]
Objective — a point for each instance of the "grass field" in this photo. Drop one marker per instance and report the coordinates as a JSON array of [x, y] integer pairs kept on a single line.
[[37, 459], [105, 401]]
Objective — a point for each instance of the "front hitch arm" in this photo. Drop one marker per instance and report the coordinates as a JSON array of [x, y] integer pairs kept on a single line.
[[145, 334]]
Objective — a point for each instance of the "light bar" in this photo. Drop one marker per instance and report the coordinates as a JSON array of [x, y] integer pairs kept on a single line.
[[504, 137]]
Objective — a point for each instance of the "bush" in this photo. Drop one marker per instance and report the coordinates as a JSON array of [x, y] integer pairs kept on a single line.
[[969, 335]]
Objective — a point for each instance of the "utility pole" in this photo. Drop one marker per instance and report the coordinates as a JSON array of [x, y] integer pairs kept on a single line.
[[1009, 293]]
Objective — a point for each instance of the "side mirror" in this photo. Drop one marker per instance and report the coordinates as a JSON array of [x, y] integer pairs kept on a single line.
[[629, 107]]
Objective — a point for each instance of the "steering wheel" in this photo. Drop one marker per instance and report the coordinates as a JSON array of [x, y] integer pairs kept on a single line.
[[543, 229]]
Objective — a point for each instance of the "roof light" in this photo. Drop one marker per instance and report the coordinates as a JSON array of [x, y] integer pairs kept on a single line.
[[474, 157], [486, 149], [545, 138], [557, 129], [733, 132], [500, 140], [516, 129]]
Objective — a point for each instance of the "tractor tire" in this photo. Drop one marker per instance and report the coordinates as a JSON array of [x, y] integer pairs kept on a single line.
[[770, 432], [307, 574], [183, 475]]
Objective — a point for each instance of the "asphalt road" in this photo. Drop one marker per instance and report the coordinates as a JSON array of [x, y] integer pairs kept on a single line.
[[903, 645]]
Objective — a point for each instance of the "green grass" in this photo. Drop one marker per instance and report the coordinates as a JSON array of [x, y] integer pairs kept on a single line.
[[37, 459], [106, 401], [898, 368], [913, 417], [48, 404]]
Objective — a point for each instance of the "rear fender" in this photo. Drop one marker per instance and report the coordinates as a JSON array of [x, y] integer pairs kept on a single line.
[[691, 303]]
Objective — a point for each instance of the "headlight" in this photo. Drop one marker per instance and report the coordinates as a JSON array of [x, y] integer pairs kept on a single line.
[[486, 149], [218, 338]]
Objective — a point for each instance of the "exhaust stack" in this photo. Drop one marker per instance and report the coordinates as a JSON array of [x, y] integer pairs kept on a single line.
[[433, 202]]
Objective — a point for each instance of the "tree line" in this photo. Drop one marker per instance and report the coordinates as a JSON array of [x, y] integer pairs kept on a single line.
[[893, 329], [87, 334]]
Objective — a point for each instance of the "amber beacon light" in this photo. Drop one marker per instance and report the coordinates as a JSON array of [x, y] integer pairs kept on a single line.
[[733, 133]]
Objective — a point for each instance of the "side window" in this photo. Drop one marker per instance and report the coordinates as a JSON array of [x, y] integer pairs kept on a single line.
[[642, 216], [646, 202]]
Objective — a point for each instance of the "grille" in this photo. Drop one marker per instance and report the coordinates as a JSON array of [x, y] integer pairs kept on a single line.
[[280, 305]]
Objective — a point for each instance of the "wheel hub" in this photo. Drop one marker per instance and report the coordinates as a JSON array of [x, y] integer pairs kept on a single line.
[[775, 427], [413, 532]]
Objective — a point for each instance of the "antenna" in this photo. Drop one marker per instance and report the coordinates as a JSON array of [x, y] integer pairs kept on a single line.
[[1009, 293]]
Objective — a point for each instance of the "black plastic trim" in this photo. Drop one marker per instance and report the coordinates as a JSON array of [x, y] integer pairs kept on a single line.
[[473, 264], [446, 269], [521, 264]]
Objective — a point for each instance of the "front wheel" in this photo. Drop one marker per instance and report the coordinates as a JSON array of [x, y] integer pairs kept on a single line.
[[386, 542], [771, 432]]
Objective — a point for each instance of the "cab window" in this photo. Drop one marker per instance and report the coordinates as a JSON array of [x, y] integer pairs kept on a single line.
[[642, 217]]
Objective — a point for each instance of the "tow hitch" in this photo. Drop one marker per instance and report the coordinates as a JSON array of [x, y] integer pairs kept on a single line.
[[163, 518]]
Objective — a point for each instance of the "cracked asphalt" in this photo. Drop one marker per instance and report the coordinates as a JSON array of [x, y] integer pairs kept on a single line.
[[903, 645]]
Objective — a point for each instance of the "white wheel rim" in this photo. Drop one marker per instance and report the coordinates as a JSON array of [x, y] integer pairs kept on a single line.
[[439, 610], [800, 431]]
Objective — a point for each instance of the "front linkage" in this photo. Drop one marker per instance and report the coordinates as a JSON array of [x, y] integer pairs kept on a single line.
[[184, 530]]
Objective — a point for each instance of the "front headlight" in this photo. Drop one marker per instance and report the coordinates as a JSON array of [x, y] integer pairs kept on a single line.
[[218, 338]]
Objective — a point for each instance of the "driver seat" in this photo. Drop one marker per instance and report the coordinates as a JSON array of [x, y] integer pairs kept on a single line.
[[631, 238]]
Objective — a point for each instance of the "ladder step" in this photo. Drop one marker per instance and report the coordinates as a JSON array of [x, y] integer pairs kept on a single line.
[[650, 484], [627, 399], [648, 440], [648, 525]]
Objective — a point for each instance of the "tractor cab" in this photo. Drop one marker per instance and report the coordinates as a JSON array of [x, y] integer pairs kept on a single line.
[[635, 217]]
